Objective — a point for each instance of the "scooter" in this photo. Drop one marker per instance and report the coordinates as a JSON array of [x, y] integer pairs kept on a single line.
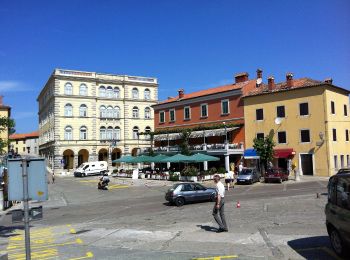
[[103, 183]]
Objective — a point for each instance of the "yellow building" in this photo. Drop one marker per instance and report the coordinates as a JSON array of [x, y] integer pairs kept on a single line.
[[310, 121], [25, 144], [5, 112], [89, 116]]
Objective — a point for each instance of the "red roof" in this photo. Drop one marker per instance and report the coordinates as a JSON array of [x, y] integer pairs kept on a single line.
[[244, 86], [24, 136]]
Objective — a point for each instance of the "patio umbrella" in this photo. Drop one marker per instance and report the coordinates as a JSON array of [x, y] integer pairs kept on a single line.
[[178, 158], [125, 159], [143, 159], [159, 158], [199, 157]]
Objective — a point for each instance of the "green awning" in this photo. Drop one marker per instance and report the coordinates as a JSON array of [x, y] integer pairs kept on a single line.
[[178, 158], [125, 159], [159, 158], [199, 157], [143, 159]]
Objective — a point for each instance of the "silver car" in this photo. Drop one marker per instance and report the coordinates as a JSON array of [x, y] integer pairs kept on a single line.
[[182, 193], [248, 176]]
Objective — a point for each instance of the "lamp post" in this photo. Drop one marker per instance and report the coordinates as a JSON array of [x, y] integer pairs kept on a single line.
[[227, 156]]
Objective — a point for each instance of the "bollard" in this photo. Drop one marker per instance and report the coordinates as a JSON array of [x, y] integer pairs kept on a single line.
[[317, 195]]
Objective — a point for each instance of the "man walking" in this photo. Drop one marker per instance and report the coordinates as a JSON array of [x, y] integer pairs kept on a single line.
[[219, 205]]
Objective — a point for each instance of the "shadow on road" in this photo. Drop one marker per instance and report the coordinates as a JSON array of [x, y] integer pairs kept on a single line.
[[208, 228], [317, 247], [8, 231]]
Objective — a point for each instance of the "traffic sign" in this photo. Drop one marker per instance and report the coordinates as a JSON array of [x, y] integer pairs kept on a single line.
[[34, 214]]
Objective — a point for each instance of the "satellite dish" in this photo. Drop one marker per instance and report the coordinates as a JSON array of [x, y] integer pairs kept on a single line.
[[278, 120], [259, 81]]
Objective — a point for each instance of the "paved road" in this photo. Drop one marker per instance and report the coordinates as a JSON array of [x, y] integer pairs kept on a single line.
[[133, 222]]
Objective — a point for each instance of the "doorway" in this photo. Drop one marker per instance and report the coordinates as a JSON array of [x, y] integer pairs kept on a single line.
[[307, 164]]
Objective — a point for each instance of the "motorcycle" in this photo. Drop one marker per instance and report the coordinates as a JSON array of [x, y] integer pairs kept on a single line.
[[103, 183]]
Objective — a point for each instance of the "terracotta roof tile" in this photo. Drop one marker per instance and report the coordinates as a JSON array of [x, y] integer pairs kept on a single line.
[[23, 136]]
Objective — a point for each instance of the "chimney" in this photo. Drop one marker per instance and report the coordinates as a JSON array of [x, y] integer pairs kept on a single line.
[[271, 83], [181, 92], [259, 73], [289, 79], [241, 77], [328, 81]]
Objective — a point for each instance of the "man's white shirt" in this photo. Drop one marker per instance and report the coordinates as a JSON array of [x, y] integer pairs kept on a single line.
[[220, 189]]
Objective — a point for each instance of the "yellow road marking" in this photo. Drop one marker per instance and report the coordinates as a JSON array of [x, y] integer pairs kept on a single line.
[[89, 181], [16, 248], [117, 186], [88, 255], [72, 231], [216, 257]]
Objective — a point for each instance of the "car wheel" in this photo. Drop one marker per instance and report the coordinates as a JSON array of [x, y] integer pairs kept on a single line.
[[180, 202], [102, 172], [212, 197], [336, 241]]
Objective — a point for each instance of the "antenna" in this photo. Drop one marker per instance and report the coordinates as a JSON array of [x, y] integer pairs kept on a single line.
[[278, 120], [259, 81]]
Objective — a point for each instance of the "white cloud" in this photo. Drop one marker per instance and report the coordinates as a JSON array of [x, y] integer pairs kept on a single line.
[[13, 86], [24, 114]]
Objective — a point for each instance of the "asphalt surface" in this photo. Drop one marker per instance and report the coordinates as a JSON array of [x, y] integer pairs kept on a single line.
[[133, 221]]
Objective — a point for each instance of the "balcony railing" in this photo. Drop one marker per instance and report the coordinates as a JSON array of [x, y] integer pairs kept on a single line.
[[203, 147]]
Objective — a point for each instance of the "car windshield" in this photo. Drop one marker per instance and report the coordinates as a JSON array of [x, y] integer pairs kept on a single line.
[[174, 186], [246, 172]]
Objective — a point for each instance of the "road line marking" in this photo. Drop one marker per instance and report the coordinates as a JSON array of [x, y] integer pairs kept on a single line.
[[77, 241], [88, 255], [117, 187], [216, 257], [72, 231]]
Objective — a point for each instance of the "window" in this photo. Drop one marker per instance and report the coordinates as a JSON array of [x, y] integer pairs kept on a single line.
[[187, 113], [225, 107], [83, 133], [102, 133], [135, 112], [281, 111], [147, 94], [83, 111], [68, 110], [135, 132], [102, 111], [259, 114], [304, 109], [161, 117], [116, 134], [305, 136], [110, 92], [135, 93], [83, 90], [147, 133], [102, 91], [147, 113], [187, 187], [347, 135], [68, 133], [260, 136], [172, 115], [17, 142], [348, 160], [116, 112], [204, 110], [282, 137], [332, 108], [335, 162], [341, 161], [110, 112], [334, 134], [343, 189], [116, 92], [109, 133], [345, 110], [68, 89]]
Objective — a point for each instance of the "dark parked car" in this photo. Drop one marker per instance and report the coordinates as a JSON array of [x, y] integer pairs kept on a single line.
[[181, 193], [343, 170], [276, 174], [248, 175], [338, 212]]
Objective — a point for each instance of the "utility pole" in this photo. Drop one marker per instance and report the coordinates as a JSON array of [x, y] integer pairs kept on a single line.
[[26, 207]]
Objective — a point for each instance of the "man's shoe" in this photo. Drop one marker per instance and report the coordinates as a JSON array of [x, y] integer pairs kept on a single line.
[[220, 230]]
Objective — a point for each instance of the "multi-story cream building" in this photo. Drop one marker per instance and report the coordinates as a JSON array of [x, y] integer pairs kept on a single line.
[[310, 121], [88, 116], [25, 144], [5, 112]]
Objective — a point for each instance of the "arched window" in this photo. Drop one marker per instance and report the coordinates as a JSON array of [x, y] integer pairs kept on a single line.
[[110, 112], [135, 93], [116, 92], [68, 89], [116, 133], [109, 92], [135, 112], [147, 133], [83, 90], [147, 94], [147, 113], [135, 132], [109, 135], [116, 112], [102, 91], [83, 110], [102, 111], [83, 133], [102, 133], [68, 133], [68, 110]]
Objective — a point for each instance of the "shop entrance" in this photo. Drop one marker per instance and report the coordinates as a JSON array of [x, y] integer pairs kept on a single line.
[[306, 164]]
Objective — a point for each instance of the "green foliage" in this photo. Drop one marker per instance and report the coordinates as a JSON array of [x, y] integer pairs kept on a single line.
[[212, 170], [189, 171], [6, 124], [264, 148], [221, 170], [173, 177], [184, 146]]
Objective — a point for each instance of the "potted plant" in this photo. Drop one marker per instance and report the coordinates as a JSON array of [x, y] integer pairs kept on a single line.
[[189, 173]]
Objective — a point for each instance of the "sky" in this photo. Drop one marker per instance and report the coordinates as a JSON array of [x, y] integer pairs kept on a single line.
[[193, 44]]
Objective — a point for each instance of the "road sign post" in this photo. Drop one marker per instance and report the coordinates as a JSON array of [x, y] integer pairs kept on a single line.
[[26, 208]]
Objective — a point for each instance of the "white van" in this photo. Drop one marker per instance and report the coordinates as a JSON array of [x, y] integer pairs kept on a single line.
[[91, 168]]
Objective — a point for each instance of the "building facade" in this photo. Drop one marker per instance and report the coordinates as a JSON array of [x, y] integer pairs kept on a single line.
[[88, 116], [25, 144], [309, 120], [214, 118], [5, 112]]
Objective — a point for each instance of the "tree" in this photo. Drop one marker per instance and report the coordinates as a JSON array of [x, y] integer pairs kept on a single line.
[[184, 142], [264, 147], [6, 124]]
